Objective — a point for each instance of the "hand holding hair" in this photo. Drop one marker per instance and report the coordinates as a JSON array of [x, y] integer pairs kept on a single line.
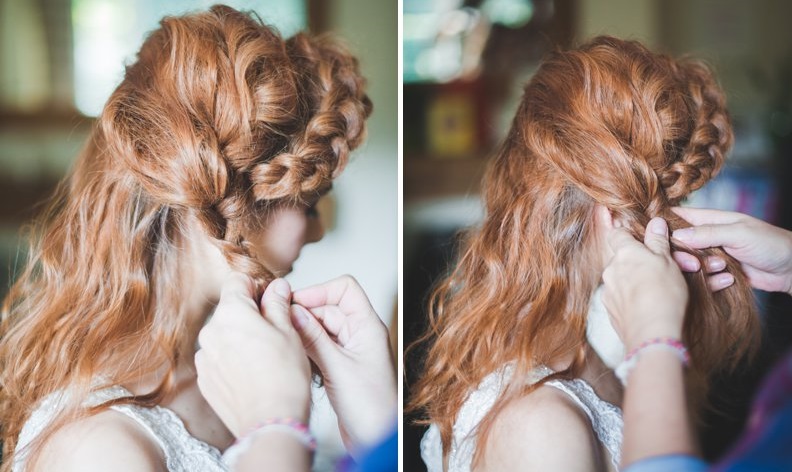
[[646, 296], [644, 291], [252, 368], [346, 339], [765, 251]]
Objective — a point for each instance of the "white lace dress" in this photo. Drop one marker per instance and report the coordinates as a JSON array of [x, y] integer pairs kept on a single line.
[[606, 420], [183, 452]]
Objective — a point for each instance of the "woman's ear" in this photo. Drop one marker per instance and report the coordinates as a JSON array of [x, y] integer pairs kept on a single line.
[[205, 260], [604, 222], [604, 219]]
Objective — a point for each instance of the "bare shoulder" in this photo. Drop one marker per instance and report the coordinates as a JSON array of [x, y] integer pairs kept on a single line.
[[544, 430], [108, 440]]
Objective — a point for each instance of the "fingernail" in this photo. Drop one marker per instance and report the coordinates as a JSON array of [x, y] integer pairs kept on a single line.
[[716, 264], [688, 262], [281, 288], [300, 316], [725, 280], [658, 226], [684, 234]]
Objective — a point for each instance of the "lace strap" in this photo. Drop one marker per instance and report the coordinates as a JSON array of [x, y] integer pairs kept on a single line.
[[606, 419], [183, 452], [172, 436]]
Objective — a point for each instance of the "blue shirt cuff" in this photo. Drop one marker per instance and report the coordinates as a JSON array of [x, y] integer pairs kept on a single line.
[[677, 463]]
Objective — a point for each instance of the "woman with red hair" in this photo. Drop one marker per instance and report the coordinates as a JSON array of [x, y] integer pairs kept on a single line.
[[518, 374], [209, 157]]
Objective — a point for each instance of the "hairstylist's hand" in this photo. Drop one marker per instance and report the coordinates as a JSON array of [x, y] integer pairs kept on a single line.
[[764, 250], [252, 368], [346, 339], [644, 290]]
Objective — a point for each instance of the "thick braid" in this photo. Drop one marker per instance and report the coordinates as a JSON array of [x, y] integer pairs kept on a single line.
[[711, 138], [686, 131], [253, 109], [336, 107], [223, 224], [256, 100]]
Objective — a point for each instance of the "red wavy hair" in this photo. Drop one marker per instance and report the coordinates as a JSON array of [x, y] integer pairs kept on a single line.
[[609, 123], [217, 121]]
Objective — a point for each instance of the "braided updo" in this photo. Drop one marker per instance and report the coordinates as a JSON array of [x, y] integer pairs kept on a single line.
[[222, 116], [637, 132], [608, 123]]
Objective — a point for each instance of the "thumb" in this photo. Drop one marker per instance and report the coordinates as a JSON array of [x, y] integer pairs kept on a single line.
[[317, 343], [275, 304], [656, 237]]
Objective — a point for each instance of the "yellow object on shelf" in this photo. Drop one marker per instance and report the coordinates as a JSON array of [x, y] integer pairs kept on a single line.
[[451, 125]]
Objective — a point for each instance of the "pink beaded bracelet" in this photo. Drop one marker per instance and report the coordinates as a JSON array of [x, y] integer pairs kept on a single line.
[[291, 426], [671, 342], [623, 369]]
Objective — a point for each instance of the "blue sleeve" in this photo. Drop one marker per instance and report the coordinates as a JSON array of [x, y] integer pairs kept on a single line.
[[383, 457], [767, 448], [677, 463]]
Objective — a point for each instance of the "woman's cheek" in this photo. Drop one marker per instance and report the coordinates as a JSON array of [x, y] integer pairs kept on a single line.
[[288, 235]]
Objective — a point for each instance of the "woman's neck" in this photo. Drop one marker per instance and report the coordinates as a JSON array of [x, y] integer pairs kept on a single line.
[[197, 309], [202, 271], [185, 398], [595, 373]]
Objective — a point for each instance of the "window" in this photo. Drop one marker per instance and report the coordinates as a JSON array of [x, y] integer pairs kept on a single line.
[[108, 33]]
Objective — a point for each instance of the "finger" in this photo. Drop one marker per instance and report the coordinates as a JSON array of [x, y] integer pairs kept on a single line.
[[714, 264], [703, 216], [238, 287], [619, 238], [331, 317], [720, 281], [707, 236], [343, 291], [275, 304], [317, 343], [656, 237], [686, 261]]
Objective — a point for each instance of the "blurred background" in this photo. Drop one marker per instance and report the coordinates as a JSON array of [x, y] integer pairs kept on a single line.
[[465, 62], [61, 59]]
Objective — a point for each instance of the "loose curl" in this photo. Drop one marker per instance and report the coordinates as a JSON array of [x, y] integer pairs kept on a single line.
[[609, 123], [217, 121]]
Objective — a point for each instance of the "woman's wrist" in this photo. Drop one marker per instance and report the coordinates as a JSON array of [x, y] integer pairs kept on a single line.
[[663, 324], [279, 444], [639, 339], [298, 415], [668, 345], [296, 408]]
